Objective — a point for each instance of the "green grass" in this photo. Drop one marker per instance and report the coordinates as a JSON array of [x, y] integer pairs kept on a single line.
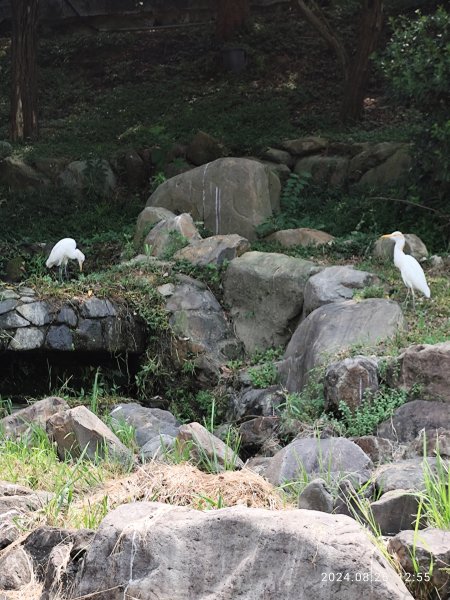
[[32, 461]]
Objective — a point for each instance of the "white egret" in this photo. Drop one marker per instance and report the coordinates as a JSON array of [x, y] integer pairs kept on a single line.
[[411, 272], [61, 252]]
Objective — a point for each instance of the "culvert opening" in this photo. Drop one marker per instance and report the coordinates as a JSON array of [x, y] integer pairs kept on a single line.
[[36, 373]]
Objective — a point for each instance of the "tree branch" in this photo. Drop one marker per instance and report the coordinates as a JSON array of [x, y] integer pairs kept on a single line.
[[317, 19], [415, 204]]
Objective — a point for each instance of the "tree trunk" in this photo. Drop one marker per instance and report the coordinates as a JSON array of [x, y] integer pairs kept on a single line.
[[231, 15], [355, 84], [24, 122]]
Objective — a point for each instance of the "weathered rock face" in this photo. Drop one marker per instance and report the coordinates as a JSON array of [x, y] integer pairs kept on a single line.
[[300, 237], [214, 250], [78, 431], [37, 414], [15, 569], [431, 550], [403, 475], [395, 510], [149, 423], [161, 237], [92, 324], [265, 294], [252, 402], [230, 195], [156, 550], [429, 443], [18, 175], [335, 284], [145, 221], [377, 448], [200, 326], [350, 381], [334, 327], [316, 496], [334, 457], [384, 247], [425, 367], [206, 448], [259, 436], [81, 174], [41, 542], [203, 148], [411, 418]]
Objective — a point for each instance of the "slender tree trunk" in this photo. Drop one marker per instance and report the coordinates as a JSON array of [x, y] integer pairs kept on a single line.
[[356, 82], [355, 70], [24, 123], [231, 15]]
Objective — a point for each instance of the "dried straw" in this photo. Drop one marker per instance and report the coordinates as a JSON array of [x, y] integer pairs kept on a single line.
[[185, 485]]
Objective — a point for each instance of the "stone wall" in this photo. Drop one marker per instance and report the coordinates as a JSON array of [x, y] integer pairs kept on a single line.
[[79, 325]]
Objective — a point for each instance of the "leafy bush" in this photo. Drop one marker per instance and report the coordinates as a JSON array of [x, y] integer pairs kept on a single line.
[[417, 66], [417, 60], [371, 412]]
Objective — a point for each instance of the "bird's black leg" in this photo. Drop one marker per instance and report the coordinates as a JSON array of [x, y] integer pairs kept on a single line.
[[60, 273]]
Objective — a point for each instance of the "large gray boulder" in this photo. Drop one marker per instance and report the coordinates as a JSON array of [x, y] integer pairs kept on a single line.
[[149, 423], [413, 417], [16, 569], [350, 380], [200, 327], [265, 294], [302, 236], [230, 195], [404, 474], [35, 415], [424, 368], [79, 432], [82, 174], [330, 169], [207, 450], [384, 247], [213, 250], [255, 402], [330, 457], [334, 327], [168, 233], [151, 550], [335, 284], [426, 553], [18, 175], [395, 510], [147, 218]]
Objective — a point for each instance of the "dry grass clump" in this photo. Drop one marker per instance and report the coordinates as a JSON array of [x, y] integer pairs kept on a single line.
[[31, 591], [185, 485]]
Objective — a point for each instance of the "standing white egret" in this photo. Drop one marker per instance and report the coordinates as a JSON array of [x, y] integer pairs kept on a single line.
[[412, 273], [61, 252]]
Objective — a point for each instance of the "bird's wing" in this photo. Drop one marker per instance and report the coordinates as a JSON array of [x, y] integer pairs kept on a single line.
[[413, 275]]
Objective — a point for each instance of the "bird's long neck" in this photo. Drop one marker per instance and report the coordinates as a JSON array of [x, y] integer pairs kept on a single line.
[[398, 252]]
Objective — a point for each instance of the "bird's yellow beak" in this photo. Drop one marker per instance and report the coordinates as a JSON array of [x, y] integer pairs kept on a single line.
[[387, 235]]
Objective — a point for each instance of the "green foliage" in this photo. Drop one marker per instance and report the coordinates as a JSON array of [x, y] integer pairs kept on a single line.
[[264, 373], [371, 412], [292, 197], [177, 241], [263, 376], [417, 66], [436, 498], [417, 60], [370, 291]]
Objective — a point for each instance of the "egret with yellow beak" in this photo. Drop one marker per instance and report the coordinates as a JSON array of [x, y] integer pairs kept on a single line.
[[411, 272]]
